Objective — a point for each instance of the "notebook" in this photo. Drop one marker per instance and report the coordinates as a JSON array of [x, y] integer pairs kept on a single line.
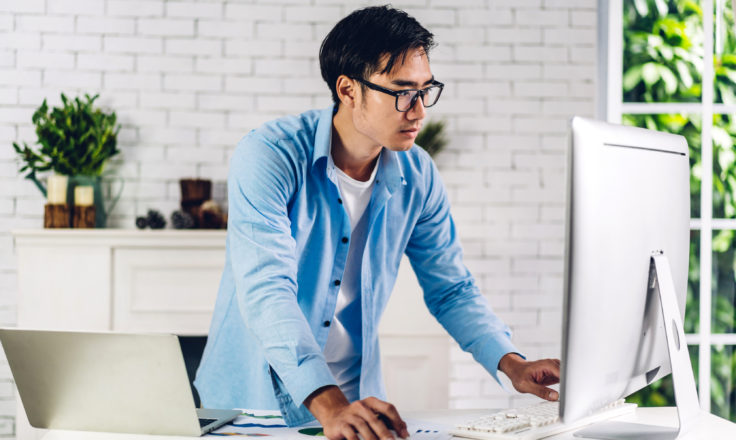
[[107, 382]]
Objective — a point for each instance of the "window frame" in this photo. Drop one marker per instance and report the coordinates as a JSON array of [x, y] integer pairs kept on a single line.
[[610, 107]]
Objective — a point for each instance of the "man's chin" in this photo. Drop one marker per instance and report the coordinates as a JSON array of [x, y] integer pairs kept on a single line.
[[401, 146]]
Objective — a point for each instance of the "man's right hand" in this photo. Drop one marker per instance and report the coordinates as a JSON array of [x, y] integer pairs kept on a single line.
[[341, 419]]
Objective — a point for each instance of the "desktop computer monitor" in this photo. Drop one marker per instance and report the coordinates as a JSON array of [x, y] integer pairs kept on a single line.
[[628, 201]]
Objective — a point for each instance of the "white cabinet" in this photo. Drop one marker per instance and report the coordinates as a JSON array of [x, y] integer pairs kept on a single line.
[[165, 289], [120, 280], [166, 281]]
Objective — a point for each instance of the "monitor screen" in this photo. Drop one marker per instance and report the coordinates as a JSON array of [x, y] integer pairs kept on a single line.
[[628, 198]]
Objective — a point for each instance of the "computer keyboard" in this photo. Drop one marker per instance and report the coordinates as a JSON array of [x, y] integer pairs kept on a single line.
[[533, 422]]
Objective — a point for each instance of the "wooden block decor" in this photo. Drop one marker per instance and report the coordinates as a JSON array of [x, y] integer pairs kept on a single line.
[[84, 216], [193, 193], [195, 190], [56, 216]]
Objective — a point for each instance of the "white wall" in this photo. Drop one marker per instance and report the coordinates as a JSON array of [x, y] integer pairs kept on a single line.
[[188, 79]]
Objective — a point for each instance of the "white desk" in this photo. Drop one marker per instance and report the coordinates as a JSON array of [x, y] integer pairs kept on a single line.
[[711, 428]]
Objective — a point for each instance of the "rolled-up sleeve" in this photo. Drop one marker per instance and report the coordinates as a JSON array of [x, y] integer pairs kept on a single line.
[[450, 291], [262, 178]]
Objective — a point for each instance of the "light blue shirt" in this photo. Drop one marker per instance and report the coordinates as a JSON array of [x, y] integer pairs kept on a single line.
[[286, 253]]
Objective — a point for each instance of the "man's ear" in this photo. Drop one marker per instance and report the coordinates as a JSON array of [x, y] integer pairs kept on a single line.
[[347, 91]]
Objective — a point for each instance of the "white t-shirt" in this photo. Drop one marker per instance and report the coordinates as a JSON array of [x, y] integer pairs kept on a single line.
[[343, 350]]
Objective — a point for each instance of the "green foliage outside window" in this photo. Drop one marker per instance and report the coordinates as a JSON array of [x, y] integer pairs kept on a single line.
[[663, 51], [663, 62]]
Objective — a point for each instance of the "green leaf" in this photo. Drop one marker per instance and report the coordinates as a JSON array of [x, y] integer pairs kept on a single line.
[[730, 74], [728, 60], [654, 41], [642, 8], [722, 240], [684, 72], [727, 94], [692, 6], [651, 124], [650, 73], [432, 137], [669, 79], [723, 140], [662, 7], [75, 138], [666, 52], [632, 77]]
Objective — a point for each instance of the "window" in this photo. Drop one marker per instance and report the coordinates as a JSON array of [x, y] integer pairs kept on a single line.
[[670, 65]]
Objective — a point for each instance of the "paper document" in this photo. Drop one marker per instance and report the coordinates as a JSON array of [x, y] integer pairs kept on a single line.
[[260, 423]]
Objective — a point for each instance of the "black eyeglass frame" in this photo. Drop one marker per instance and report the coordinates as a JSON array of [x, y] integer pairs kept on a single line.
[[397, 93]]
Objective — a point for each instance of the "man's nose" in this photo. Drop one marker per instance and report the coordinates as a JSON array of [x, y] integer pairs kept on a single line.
[[417, 111]]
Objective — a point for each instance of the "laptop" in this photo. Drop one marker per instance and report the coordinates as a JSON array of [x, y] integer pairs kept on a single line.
[[108, 382]]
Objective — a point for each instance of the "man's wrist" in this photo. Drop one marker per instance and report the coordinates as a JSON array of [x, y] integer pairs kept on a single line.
[[509, 363], [325, 401]]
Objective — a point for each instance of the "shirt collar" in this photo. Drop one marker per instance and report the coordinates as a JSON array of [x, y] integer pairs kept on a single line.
[[323, 137], [390, 170]]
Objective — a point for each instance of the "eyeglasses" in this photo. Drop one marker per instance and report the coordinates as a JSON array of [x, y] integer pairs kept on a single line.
[[405, 99]]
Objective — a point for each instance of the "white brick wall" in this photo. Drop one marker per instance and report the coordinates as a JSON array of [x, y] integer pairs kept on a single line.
[[189, 78]]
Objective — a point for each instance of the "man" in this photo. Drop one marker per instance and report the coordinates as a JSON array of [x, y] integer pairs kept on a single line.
[[322, 207]]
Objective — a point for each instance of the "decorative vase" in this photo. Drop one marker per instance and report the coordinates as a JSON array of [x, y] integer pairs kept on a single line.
[[101, 212]]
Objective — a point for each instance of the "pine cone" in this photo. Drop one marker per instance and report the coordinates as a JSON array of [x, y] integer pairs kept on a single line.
[[141, 222], [182, 220], [155, 219]]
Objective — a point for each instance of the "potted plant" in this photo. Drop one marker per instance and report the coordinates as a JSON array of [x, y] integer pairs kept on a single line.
[[432, 137], [74, 140]]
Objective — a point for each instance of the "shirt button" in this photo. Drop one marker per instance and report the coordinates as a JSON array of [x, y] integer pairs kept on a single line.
[[344, 239], [339, 201], [326, 323], [337, 282]]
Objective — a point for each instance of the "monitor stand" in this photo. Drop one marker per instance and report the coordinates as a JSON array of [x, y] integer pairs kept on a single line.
[[686, 396]]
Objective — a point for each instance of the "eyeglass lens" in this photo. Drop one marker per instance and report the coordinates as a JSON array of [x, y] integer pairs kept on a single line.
[[429, 98]]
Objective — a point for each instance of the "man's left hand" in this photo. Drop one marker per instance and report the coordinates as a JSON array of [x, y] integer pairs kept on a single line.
[[532, 376]]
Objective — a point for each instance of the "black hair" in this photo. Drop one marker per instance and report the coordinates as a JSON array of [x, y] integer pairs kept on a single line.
[[357, 44]]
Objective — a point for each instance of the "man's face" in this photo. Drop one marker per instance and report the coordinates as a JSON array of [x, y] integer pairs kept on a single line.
[[375, 115]]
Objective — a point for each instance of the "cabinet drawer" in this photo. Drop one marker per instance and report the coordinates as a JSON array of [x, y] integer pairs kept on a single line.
[[165, 290]]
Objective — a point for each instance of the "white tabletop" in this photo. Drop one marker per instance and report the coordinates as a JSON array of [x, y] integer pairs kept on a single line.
[[711, 427]]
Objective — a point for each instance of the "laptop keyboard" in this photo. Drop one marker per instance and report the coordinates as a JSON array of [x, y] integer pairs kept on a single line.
[[205, 422]]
